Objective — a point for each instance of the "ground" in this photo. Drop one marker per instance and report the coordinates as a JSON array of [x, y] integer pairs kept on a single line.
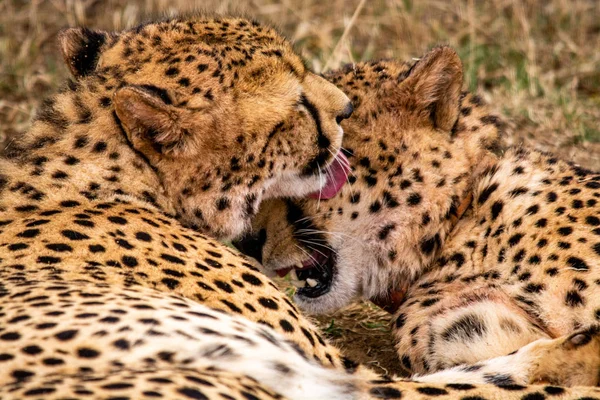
[[537, 63]]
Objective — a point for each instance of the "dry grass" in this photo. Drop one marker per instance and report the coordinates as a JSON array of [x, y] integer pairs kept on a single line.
[[537, 60]]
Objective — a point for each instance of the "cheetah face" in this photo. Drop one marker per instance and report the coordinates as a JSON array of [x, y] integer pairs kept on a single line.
[[411, 156], [223, 110]]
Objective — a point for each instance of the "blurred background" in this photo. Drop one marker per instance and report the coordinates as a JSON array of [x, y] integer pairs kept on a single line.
[[536, 61]]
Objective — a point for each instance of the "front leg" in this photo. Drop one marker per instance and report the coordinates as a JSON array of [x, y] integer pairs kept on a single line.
[[570, 360]]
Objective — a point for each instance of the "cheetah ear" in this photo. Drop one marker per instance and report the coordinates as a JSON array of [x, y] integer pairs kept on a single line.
[[435, 84], [80, 48], [150, 121]]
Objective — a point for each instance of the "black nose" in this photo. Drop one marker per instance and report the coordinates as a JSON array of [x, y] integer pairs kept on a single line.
[[345, 114], [252, 244]]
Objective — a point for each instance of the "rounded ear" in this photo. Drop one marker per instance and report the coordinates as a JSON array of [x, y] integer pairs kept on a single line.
[[150, 122], [80, 48], [435, 83]]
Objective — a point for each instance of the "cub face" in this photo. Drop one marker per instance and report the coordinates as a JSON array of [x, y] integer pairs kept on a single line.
[[412, 150], [223, 110]]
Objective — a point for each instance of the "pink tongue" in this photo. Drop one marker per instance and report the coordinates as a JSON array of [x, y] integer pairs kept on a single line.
[[283, 272], [336, 177]]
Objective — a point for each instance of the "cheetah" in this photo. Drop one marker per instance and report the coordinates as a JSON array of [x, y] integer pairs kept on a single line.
[[478, 251], [113, 283]]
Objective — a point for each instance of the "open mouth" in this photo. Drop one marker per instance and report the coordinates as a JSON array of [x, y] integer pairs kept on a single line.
[[312, 277], [337, 175]]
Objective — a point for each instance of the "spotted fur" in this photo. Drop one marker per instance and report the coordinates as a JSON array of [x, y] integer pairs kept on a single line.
[[520, 266], [108, 288]]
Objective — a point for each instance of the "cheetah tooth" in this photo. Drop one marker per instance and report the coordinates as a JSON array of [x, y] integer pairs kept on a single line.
[[312, 282], [293, 275], [298, 284]]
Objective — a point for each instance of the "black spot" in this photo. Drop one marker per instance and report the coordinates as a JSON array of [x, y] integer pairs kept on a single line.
[[143, 236], [48, 260], [429, 302], [385, 231], [81, 222], [349, 365], [458, 259], [29, 233], [170, 283], [515, 239], [534, 396], [252, 279], [565, 230], [74, 235], [577, 263], [117, 220], [593, 185], [485, 193], [129, 261], [60, 175], [99, 147], [496, 209], [466, 328], [21, 375], [432, 391], [414, 199], [10, 336], [97, 248], [17, 246], [223, 203], [405, 183], [69, 203], [513, 387], [534, 288], [592, 220], [400, 321], [574, 299], [518, 191], [39, 391], [124, 244], [192, 393], [554, 390], [286, 326], [460, 386], [429, 245], [59, 247], [383, 392], [85, 352], [226, 287], [268, 303], [172, 259], [370, 180], [66, 335]]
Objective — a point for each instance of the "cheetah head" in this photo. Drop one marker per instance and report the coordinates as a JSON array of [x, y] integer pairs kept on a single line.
[[222, 109], [413, 142]]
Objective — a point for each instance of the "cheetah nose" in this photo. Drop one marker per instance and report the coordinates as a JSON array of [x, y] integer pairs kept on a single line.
[[252, 244], [345, 114]]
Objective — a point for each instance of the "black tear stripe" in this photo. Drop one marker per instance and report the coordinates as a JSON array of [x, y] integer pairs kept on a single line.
[[322, 141]]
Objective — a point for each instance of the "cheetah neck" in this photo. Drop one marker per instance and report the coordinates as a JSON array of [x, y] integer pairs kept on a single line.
[[504, 194], [76, 149]]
